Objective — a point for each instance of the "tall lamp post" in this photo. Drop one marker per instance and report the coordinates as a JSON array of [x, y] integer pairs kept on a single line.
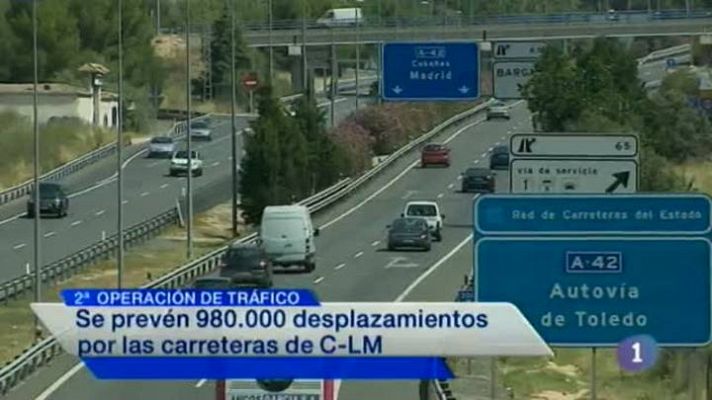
[[269, 34], [232, 117], [119, 159], [36, 177], [189, 147]]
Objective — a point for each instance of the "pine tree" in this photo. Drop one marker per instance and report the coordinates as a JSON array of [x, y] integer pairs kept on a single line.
[[220, 49]]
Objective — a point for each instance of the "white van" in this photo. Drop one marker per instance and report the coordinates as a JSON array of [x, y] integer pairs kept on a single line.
[[287, 234], [337, 17]]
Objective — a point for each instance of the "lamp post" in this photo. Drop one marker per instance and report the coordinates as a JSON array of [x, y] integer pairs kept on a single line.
[[269, 34], [119, 159], [189, 147], [233, 131], [36, 165]]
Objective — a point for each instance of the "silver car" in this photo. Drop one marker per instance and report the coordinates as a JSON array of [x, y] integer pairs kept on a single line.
[[199, 130], [498, 110], [161, 147]]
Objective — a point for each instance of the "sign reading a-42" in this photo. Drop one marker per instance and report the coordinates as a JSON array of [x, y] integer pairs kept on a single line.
[[430, 71]]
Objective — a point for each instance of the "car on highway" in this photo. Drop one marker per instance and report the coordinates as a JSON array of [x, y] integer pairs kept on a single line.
[[53, 200], [409, 233], [429, 212], [179, 163], [478, 180], [288, 236], [200, 130], [340, 17], [161, 147], [499, 158], [247, 264], [498, 110], [212, 282], [435, 154]]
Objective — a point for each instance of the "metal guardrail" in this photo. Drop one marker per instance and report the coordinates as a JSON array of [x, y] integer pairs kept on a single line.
[[41, 353]]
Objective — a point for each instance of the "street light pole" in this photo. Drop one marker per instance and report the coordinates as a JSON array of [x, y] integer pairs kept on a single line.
[[36, 161], [119, 159], [334, 73], [189, 147], [158, 17], [232, 117], [271, 50], [305, 72], [358, 51]]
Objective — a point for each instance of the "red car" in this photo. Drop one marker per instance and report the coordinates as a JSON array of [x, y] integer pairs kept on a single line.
[[435, 154]]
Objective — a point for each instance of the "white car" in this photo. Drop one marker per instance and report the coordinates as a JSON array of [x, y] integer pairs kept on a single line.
[[498, 110], [199, 130], [179, 163], [430, 212]]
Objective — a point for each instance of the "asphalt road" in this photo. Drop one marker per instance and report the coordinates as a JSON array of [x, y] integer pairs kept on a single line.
[[148, 191], [535, 30], [352, 263]]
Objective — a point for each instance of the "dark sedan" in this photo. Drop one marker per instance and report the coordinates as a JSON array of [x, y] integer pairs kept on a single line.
[[53, 200], [409, 233], [500, 157], [478, 180]]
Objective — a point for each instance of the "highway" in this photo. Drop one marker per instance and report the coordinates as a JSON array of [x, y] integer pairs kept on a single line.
[[521, 31], [148, 191], [352, 263], [354, 269]]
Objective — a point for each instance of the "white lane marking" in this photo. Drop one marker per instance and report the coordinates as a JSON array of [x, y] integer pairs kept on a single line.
[[392, 181], [359, 254], [19, 246], [450, 186], [490, 149], [496, 143], [440, 195], [432, 269], [50, 234], [483, 155], [375, 242], [11, 218], [338, 267], [201, 383], [319, 279], [125, 202], [75, 223], [165, 185], [98, 213], [144, 194], [459, 177], [59, 382], [476, 161], [215, 164]]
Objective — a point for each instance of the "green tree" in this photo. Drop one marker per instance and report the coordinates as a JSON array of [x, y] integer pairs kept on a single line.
[[6, 47], [220, 51], [323, 156], [553, 92], [57, 38]]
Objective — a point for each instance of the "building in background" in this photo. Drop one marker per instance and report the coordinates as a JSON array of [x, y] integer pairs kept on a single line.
[[58, 100]]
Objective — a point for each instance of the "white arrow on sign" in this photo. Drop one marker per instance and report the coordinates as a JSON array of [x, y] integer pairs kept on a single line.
[[397, 90], [464, 89]]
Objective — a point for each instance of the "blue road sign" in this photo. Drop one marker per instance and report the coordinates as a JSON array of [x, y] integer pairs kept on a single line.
[[584, 292], [430, 71], [610, 214]]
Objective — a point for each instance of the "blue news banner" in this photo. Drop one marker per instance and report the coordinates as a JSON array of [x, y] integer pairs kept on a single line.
[[239, 367]]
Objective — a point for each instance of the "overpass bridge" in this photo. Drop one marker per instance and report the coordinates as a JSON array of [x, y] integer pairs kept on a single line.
[[544, 27]]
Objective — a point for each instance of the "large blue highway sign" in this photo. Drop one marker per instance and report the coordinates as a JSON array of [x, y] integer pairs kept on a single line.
[[625, 214], [430, 71], [586, 292]]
